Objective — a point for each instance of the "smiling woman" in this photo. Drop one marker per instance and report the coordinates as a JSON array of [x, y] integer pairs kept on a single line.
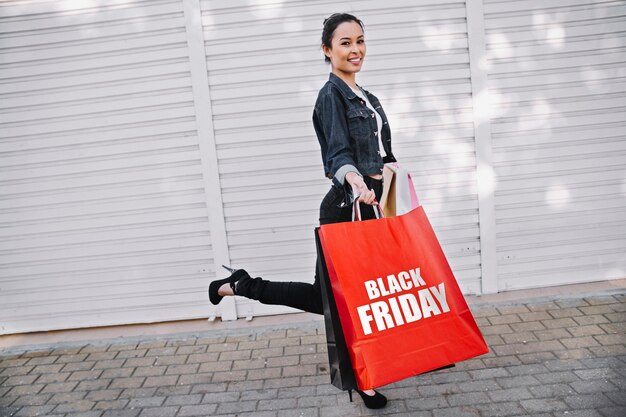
[[355, 142]]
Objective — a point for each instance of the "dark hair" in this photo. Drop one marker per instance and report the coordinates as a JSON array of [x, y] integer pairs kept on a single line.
[[331, 23]]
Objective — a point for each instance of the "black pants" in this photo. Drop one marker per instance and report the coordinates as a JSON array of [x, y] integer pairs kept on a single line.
[[300, 295]]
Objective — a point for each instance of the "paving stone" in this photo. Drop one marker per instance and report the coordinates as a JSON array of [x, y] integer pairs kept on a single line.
[[529, 369], [613, 411], [138, 392], [84, 375], [17, 371], [158, 381], [182, 369], [193, 379], [559, 323], [121, 413], [125, 354], [42, 360], [170, 360], [146, 402], [149, 371], [104, 395], [552, 334], [260, 394], [536, 357], [159, 412], [303, 412], [93, 385], [136, 382], [183, 399], [565, 312], [60, 387], [599, 373], [197, 410], [277, 404], [36, 410], [517, 381], [280, 361], [20, 390], [510, 394], [551, 390], [580, 342], [543, 405], [564, 357], [30, 400], [465, 411], [520, 336], [489, 373], [618, 397], [592, 401], [588, 387], [317, 401], [202, 358], [76, 406], [600, 299], [236, 407], [280, 382], [557, 377], [500, 409], [117, 373], [111, 404]]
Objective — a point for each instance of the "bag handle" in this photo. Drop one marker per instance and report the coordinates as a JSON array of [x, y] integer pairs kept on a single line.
[[356, 210]]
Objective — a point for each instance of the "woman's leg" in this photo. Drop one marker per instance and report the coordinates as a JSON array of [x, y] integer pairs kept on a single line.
[[300, 295]]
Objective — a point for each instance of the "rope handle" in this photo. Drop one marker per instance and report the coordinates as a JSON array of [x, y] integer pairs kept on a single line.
[[356, 210]]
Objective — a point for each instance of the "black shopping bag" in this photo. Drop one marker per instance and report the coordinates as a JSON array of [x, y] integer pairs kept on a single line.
[[341, 371]]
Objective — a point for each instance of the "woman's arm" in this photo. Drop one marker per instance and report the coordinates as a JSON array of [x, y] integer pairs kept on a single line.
[[329, 121]]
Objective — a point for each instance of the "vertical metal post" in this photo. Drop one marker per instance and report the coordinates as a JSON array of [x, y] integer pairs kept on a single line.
[[482, 132], [208, 150]]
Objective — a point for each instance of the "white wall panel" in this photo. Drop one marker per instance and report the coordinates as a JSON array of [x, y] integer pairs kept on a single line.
[[144, 142], [557, 82], [265, 69], [103, 218]]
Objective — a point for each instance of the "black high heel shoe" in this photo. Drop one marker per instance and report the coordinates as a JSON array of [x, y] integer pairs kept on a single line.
[[236, 275], [375, 401]]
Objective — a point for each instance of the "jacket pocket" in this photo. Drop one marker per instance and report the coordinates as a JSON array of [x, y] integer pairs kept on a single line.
[[359, 124]]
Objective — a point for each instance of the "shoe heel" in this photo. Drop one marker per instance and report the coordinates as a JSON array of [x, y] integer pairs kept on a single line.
[[350, 394], [214, 286]]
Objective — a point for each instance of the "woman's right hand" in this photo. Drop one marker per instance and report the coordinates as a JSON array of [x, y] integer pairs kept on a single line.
[[359, 188]]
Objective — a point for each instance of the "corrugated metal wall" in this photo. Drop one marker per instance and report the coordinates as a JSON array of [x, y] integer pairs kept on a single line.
[[557, 78], [264, 81], [102, 211], [145, 142]]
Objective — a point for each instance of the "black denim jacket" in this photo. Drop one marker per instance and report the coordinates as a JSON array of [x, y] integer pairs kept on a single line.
[[347, 132]]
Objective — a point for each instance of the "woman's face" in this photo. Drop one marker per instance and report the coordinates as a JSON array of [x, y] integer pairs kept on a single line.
[[348, 48]]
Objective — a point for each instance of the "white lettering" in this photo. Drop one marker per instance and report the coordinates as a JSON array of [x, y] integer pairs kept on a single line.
[[381, 287], [404, 278], [372, 290], [417, 278], [383, 319], [440, 295], [394, 286], [397, 314], [410, 307], [429, 306], [365, 318]]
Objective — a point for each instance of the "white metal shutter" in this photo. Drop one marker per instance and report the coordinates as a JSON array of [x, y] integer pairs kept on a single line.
[[102, 207], [265, 69], [557, 79]]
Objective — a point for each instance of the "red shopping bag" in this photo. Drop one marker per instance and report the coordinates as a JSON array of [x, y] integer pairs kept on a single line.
[[400, 307]]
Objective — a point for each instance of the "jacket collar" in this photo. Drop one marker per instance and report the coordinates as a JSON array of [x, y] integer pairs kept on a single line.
[[344, 88]]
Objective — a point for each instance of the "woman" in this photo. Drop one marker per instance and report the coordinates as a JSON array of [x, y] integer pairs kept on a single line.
[[355, 140]]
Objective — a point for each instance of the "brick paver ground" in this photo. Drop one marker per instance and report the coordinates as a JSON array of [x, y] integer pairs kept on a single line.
[[560, 357]]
